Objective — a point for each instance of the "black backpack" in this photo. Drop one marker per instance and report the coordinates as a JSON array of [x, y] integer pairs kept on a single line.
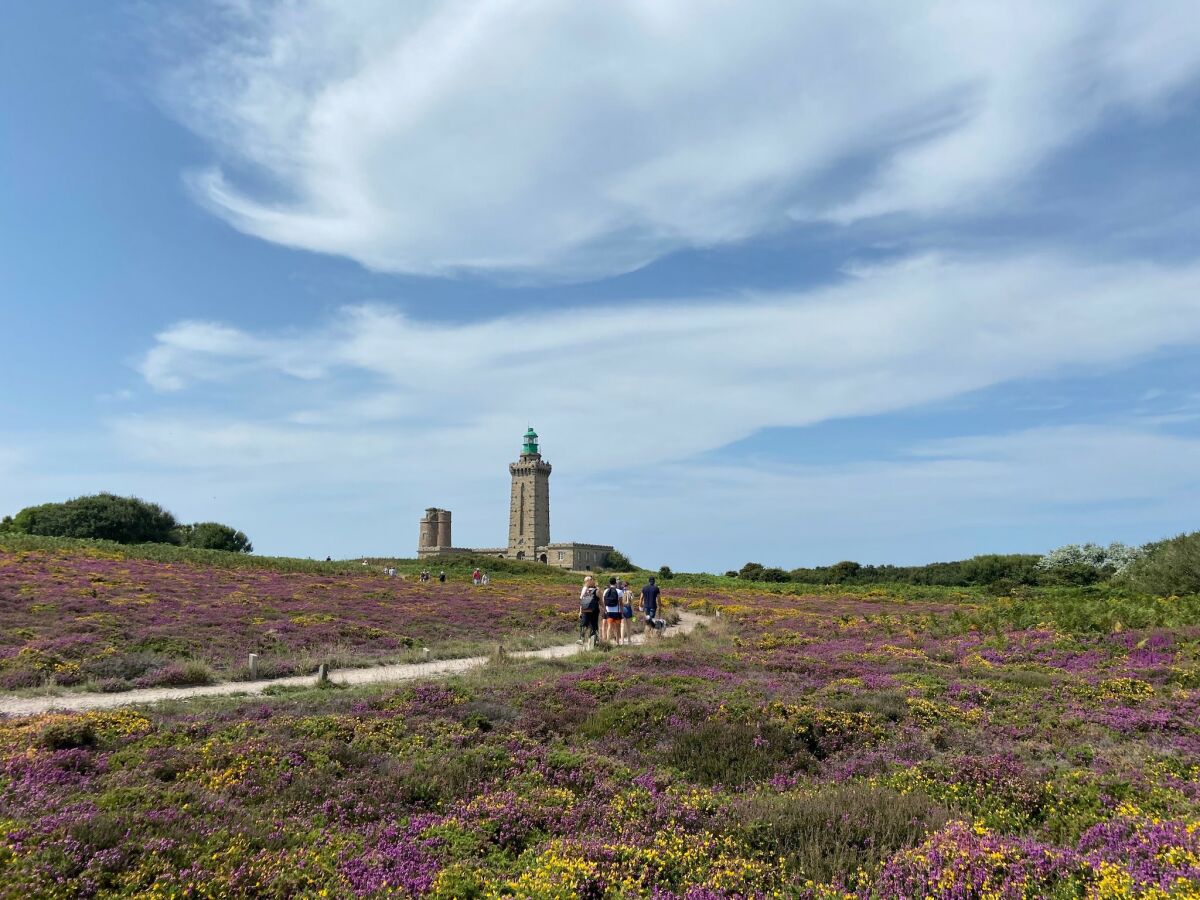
[[591, 602]]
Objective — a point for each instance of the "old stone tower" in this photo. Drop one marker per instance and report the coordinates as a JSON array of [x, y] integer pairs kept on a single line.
[[529, 506], [435, 531], [528, 522]]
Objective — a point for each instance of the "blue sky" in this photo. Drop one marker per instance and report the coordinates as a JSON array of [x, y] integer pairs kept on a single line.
[[792, 284]]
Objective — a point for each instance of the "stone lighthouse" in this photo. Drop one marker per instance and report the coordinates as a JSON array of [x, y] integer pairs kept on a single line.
[[529, 506], [528, 522]]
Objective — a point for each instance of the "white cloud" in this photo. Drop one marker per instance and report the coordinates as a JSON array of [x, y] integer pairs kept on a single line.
[[697, 376], [590, 138], [333, 438]]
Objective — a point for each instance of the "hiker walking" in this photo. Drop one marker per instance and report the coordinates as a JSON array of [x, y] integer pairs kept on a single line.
[[626, 612], [442, 576], [650, 597], [612, 612], [589, 610], [476, 577]]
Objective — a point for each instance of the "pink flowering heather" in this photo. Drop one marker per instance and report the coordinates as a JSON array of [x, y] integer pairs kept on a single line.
[[817, 747]]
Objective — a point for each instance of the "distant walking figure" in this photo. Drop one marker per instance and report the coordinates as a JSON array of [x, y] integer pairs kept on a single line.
[[589, 610], [485, 578], [612, 612], [476, 577], [442, 577], [650, 596]]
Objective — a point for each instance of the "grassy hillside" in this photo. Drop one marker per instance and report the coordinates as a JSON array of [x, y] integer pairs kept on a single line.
[[870, 745], [101, 616]]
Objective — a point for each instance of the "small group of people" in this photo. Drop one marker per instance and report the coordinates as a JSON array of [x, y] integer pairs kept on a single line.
[[478, 578], [608, 615], [426, 577]]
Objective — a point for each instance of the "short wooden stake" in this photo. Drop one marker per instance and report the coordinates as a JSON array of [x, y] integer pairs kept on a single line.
[[323, 674], [254, 667]]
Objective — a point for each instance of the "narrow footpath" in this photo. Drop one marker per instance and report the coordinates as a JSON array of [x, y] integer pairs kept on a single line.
[[22, 706]]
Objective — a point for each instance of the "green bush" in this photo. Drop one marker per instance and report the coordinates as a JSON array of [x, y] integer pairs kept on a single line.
[[1169, 567], [840, 828], [123, 666], [67, 734], [618, 561], [213, 536], [126, 520], [177, 674], [734, 753]]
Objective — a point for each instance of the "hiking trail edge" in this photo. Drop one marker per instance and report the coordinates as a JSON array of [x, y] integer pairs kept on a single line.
[[22, 706]]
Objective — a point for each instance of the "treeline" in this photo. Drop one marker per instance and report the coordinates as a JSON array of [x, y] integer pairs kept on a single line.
[[989, 569], [124, 520], [1163, 568]]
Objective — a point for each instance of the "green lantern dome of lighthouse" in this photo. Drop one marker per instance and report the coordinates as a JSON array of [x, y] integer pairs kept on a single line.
[[531, 441]]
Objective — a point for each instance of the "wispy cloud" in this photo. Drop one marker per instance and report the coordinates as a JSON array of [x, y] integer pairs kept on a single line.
[[700, 375], [570, 140]]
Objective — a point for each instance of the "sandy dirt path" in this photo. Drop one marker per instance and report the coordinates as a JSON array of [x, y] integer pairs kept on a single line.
[[26, 706]]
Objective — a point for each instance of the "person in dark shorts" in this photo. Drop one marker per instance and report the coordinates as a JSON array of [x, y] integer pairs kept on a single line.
[[612, 612], [589, 610], [650, 597]]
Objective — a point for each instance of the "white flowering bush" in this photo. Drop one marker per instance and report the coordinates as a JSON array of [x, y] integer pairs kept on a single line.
[[1084, 562]]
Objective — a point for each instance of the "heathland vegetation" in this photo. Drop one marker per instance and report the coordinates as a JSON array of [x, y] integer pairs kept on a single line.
[[901, 741], [875, 741], [1030, 729]]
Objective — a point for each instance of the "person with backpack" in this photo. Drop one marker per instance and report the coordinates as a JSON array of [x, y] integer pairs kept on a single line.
[[612, 612], [650, 598], [589, 610]]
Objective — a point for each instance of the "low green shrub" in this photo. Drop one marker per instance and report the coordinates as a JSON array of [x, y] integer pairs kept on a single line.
[[67, 734], [122, 666], [732, 753], [840, 828], [182, 674]]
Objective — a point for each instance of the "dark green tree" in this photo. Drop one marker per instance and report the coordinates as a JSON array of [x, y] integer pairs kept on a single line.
[[664, 572], [1169, 567], [617, 560], [751, 571], [840, 573], [126, 520], [213, 536]]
